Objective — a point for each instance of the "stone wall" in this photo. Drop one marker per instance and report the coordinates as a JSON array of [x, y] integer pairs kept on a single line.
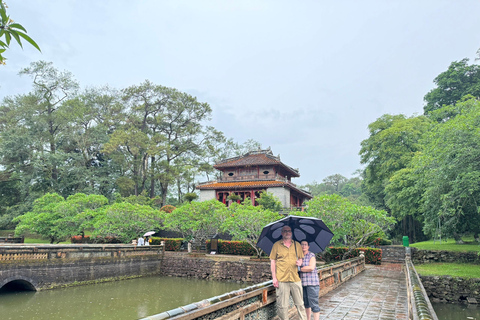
[[393, 254], [447, 289], [425, 256], [46, 267], [212, 267]]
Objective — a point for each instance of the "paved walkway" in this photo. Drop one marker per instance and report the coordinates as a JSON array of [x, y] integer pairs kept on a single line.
[[378, 293]]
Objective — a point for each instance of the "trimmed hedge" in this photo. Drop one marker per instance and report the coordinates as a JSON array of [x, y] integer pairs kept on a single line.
[[171, 244], [382, 242], [240, 248], [88, 239], [372, 255]]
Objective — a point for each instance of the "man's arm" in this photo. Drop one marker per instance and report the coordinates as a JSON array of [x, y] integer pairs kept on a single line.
[[274, 272]]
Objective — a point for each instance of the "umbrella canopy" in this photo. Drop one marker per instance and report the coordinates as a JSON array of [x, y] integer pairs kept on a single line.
[[149, 233], [308, 229]]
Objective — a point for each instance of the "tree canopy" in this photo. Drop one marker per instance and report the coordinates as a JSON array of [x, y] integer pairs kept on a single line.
[[143, 140], [351, 224], [459, 80], [245, 222]]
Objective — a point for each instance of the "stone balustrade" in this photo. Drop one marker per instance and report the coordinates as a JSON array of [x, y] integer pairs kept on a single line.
[[258, 302], [419, 306]]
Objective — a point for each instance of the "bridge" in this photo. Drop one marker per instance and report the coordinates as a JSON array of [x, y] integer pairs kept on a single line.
[[349, 289], [39, 267]]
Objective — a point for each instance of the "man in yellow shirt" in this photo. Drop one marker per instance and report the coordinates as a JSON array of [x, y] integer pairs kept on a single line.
[[285, 257]]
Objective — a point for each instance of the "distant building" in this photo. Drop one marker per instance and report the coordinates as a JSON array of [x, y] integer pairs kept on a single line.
[[247, 175]]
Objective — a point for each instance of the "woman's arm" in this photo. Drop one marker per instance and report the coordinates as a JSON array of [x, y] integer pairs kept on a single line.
[[311, 265]]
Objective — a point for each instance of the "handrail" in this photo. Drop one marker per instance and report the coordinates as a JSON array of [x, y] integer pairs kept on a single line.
[[340, 271], [419, 306]]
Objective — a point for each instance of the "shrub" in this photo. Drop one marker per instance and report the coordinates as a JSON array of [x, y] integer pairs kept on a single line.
[[372, 255], [167, 208], [88, 239], [382, 242], [241, 248], [171, 244], [80, 239]]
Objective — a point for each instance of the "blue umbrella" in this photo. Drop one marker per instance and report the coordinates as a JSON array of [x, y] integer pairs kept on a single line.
[[308, 229]]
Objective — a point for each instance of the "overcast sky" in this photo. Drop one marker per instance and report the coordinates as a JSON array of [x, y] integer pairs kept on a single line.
[[302, 77]]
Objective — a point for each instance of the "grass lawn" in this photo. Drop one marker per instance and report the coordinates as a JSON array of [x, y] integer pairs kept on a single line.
[[451, 269], [449, 245]]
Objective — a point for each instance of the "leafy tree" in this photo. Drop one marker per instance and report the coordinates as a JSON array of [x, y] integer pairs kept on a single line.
[[351, 224], [459, 80], [189, 197], [404, 198], [335, 182], [390, 147], [123, 220], [338, 184], [10, 29], [269, 201], [57, 219], [196, 220], [245, 222], [450, 173], [43, 218]]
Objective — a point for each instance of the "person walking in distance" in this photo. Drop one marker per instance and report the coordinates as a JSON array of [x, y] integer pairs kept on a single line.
[[285, 258], [310, 282]]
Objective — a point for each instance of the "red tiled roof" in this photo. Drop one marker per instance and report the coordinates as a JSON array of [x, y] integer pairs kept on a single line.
[[251, 184], [242, 184], [255, 160]]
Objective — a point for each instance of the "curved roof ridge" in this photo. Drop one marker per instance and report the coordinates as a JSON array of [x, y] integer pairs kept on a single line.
[[258, 157]]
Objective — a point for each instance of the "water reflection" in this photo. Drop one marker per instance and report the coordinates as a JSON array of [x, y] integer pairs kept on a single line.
[[128, 299], [446, 311]]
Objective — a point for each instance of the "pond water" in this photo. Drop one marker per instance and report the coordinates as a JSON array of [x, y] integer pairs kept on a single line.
[[127, 299], [446, 311]]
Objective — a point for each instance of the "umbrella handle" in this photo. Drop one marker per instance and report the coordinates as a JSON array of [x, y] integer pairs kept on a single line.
[[296, 255]]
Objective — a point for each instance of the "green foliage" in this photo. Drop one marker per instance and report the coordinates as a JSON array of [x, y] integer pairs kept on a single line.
[[459, 80], [233, 197], [245, 222], [351, 224], [10, 29], [171, 244], [269, 201], [190, 196], [372, 255], [444, 177], [241, 248], [197, 220], [338, 184], [58, 219], [390, 147], [124, 221]]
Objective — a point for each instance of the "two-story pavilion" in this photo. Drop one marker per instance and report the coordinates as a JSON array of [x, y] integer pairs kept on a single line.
[[251, 173]]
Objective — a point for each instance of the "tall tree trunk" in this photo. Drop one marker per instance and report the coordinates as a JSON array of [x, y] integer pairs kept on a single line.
[[152, 178]]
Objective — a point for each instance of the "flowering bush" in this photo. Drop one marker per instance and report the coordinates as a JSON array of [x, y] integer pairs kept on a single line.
[[88, 239], [167, 208], [171, 244], [241, 248], [372, 255]]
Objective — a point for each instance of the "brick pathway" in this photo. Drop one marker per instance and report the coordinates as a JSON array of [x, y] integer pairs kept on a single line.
[[378, 293]]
